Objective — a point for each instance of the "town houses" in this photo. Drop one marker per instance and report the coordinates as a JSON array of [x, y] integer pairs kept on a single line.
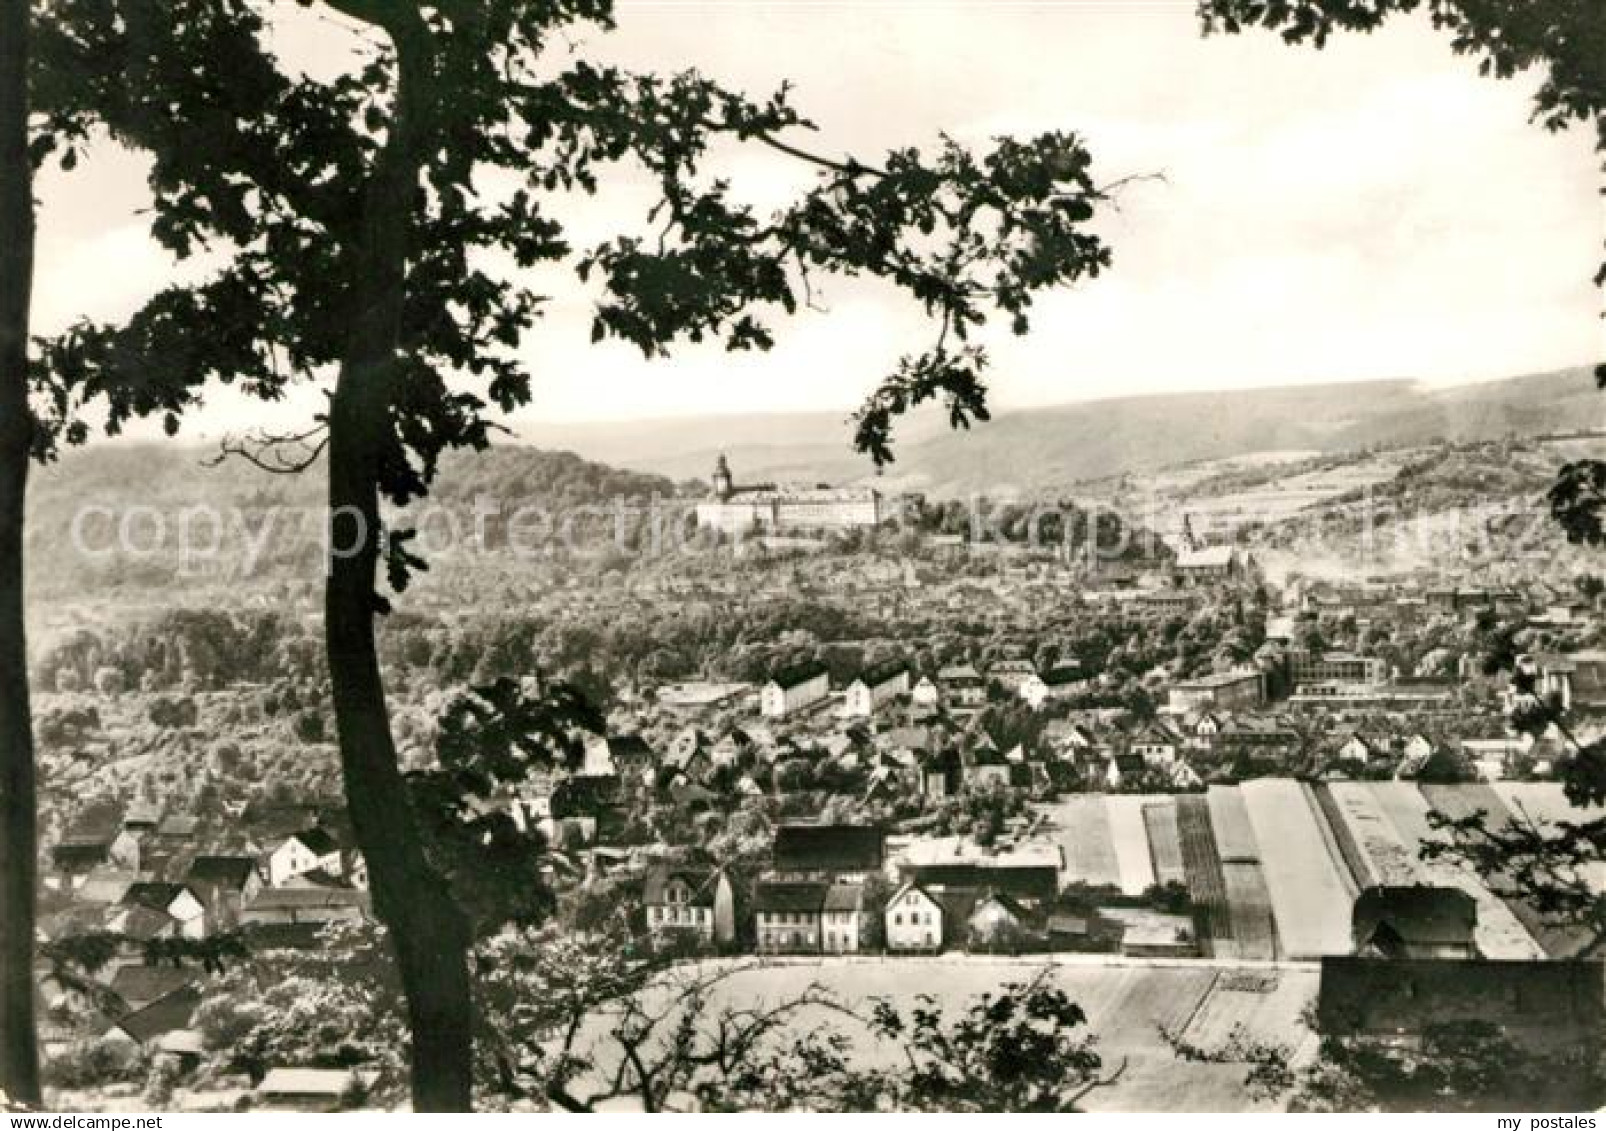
[[924, 761]]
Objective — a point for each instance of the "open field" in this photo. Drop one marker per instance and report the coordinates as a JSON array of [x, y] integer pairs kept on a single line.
[[1165, 841], [1309, 898], [1382, 853], [1131, 839], [1235, 836], [1080, 825], [1274, 865], [1330, 841], [1127, 1002], [1254, 926], [1207, 886]]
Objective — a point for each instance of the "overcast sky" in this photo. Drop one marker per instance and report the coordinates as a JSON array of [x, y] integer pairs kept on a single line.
[[1374, 210]]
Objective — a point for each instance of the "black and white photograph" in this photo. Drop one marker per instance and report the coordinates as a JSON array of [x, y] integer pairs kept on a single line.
[[802, 556]]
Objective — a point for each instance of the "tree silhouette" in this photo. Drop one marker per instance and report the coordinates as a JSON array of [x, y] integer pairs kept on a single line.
[[19, 1063], [352, 217]]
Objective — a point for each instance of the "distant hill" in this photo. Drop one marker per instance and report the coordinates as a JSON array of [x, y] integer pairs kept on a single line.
[[1047, 449], [150, 485]]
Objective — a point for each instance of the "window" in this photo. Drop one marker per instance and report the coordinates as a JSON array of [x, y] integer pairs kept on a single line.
[[897, 920]]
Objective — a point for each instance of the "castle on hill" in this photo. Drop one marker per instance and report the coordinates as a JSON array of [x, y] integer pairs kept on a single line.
[[734, 509]]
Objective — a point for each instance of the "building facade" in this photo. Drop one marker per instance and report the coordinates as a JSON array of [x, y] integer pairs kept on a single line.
[[842, 919], [695, 902], [793, 690], [787, 916], [1336, 668], [914, 920], [1243, 689], [875, 687], [737, 509]]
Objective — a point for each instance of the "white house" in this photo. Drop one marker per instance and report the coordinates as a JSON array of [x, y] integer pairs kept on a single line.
[[925, 693], [875, 687], [962, 686], [1156, 745], [787, 915], [913, 920], [1203, 732], [694, 901], [1112, 774], [794, 689], [311, 850], [1418, 747], [842, 919], [1056, 683], [1358, 748], [177, 901]]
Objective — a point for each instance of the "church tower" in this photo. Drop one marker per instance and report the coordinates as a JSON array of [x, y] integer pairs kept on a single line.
[[723, 487]]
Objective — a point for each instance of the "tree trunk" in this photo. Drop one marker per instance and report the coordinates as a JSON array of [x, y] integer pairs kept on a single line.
[[19, 1057], [428, 931]]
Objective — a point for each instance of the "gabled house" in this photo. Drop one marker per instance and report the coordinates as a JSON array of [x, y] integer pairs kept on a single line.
[[914, 920], [691, 760], [1070, 741], [169, 1014], [875, 687], [309, 850], [941, 774], [926, 692], [1208, 565], [794, 689], [1156, 744], [1201, 733], [625, 757], [842, 919], [92, 843], [1059, 682], [140, 923], [735, 747], [177, 901], [175, 832], [686, 741], [142, 817], [1417, 921], [1183, 776], [997, 922], [223, 884], [787, 915], [697, 901], [962, 687], [1121, 769]]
